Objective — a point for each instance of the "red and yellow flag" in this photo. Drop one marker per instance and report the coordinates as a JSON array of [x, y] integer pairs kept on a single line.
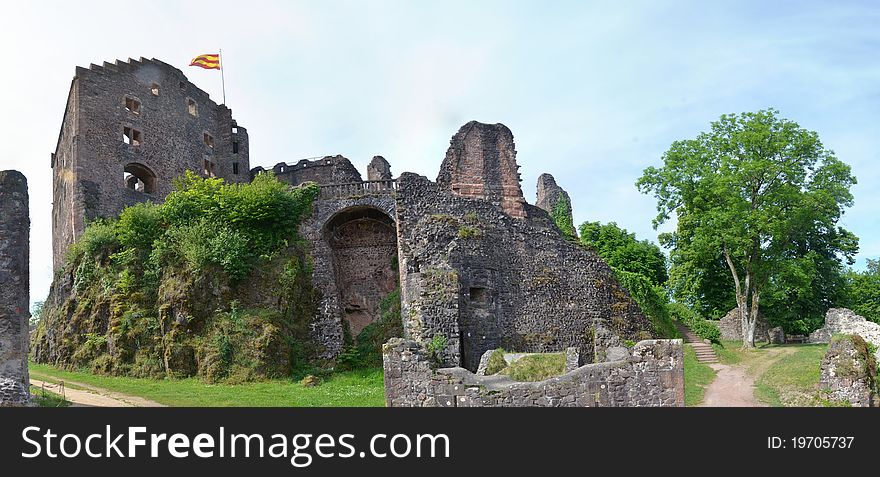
[[208, 62]]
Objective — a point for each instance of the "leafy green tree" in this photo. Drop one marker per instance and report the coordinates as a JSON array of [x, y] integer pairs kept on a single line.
[[622, 251], [863, 291], [754, 189]]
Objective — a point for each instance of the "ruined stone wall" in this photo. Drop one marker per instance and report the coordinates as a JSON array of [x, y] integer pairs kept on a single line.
[[651, 375], [848, 372], [485, 280], [731, 327], [846, 321], [178, 126], [14, 289], [327, 170], [481, 163], [379, 169], [340, 275]]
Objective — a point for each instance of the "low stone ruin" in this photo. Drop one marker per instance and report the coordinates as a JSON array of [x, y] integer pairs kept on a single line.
[[14, 289], [651, 375], [845, 321], [848, 372], [731, 327]]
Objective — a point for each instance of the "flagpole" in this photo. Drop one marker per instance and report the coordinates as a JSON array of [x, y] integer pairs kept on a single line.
[[222, 78]]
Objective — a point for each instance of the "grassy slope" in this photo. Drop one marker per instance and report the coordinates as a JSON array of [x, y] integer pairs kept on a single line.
[[792, 380], [696, 377], [362, 388]]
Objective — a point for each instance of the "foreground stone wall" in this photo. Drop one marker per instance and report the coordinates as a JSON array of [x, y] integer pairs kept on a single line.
[[731, 327], [486, 280], [846, 321], [848, 372], [14, 289], [651, 375]]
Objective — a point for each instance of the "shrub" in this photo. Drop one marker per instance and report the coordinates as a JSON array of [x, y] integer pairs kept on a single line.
[[703, 328], [536, 367], [436, 347], [651, 299], [496, 362]]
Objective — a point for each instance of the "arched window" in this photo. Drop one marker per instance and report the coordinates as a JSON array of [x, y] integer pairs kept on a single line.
[[140, 178]]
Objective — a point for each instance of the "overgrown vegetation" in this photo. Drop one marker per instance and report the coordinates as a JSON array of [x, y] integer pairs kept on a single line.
[[703, 328], [161, 290], [863, 291], [651, 299], [562, 217], [535, 367], [496, 362]]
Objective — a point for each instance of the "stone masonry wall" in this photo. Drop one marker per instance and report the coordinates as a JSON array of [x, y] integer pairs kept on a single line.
[[327, 170], [731, 327], [848, 372], [339, 274], [485, 280], [180, 129], [846, 321], [651, 375], [14, 289], [481, 163]]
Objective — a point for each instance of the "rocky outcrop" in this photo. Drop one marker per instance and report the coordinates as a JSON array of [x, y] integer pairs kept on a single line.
[[14, 289], [845, 321], [556, 201], [731, 327], [848, 372]]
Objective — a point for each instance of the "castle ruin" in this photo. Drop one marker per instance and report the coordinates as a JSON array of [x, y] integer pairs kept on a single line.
[[478, 267], [129, 129]]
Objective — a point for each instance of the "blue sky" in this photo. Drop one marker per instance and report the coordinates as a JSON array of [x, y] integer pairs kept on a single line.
[[593, 91]]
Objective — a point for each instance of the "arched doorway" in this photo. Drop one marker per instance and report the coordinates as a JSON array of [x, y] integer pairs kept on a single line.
[[363, 241], [139, 177]]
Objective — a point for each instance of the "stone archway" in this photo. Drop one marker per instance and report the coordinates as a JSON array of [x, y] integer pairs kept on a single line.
[[363, 242], [139, 177]]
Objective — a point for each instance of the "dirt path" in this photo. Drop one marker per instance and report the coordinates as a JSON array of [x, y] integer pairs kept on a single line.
[[734, 385], [84, 395]]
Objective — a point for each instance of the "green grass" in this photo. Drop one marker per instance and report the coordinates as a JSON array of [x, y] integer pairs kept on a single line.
[[728, 352], [361, 388], [792, 380], [536, 367], [47, 398], [697, 376]]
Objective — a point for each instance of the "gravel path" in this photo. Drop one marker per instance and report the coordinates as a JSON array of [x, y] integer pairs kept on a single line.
[[84, 395]]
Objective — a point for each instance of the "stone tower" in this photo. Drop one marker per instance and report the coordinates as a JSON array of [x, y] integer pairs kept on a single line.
[[14, 289], [129, 129], [379, 170], [481, 163]]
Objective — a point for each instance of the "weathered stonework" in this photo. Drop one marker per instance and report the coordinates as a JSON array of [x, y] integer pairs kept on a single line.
[[14, 289], [651, 375], [845, 321], [731, 327], [848, 372], [325, 171], [353, 239], [549, 193], [481, 164], [129, 129], [379, 169]]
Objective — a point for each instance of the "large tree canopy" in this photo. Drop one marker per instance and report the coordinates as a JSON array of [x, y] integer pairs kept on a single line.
[[622, 251], [759, 192], [863, 291]]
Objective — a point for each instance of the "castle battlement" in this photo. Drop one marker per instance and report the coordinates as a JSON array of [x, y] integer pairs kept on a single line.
[[129, 129]]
